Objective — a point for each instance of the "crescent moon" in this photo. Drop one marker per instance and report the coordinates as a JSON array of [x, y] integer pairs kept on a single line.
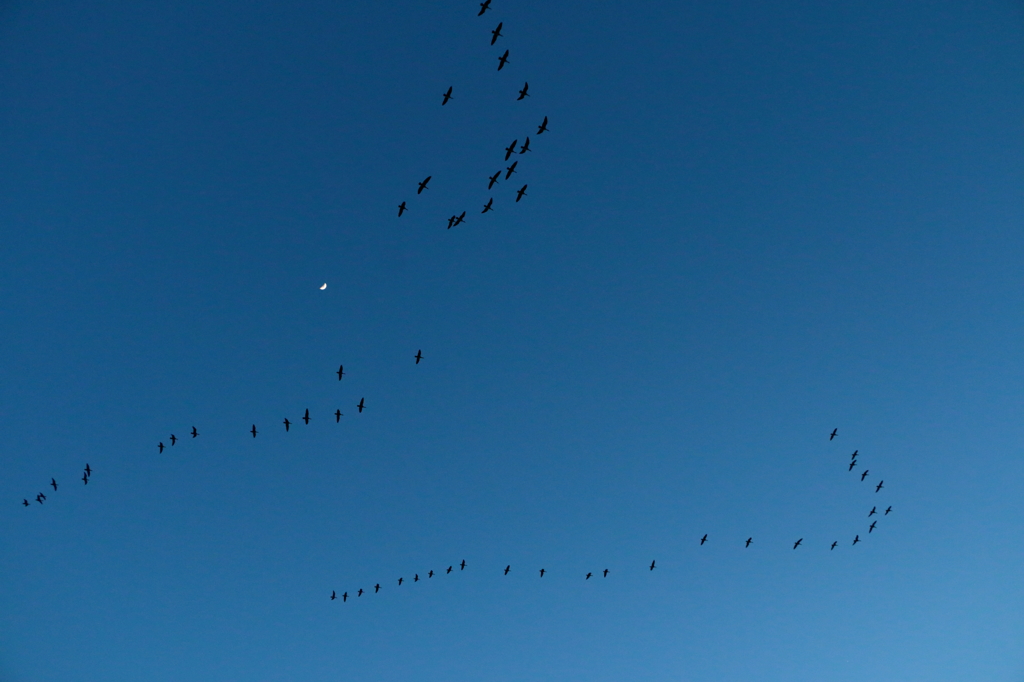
[[324, 286]]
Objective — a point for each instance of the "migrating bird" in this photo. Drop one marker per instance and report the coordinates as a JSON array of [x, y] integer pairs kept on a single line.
[[449, 570], [521, 193], [864, 475], [416, 577], [484, 6], [337, 416], [797, 543], [423, 185], [749, 540], [494, 179], [85, 479], [287, 424], [305, 417], [334, 595], [852, 464], [362, 404], [589, 575], [401, 209], [88, 471], [400, 581], [543, 126], [451, 221], [40, 497], [704, 539], [194, 432], [344, 597], [874, 510], [360, 593], [873, 524], [523, 94], [833, 545], [431, 574], [459, 219], [496, 33], [376, 588], [174, 439], [508, 568], [834, 432], [160, 446], [542, 573], [856, 539], [487, 206], [53, 482], [526, 147], [340, 372], [879, 486], [887, 511], [606, 573], [502, 61], [854, 455], [254, 431], [511, 149], [652, 566], [25, 502], [462, 566], [418, 356], [511, 169], [447, 96]]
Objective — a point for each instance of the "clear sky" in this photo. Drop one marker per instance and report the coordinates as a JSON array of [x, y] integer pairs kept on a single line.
[[748, 224]]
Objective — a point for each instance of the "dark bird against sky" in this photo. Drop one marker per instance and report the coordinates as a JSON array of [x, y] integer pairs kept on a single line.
[[305, 417], [401, 209], [879, 486], [174, 439], [340, 372], [526, 147], [797, 543], [53, 482], [543, 126], [887, 511], [834, 432], [502, 61], [511, 169], [287, 424], [652, 566], [496, 33], [160, 447], [337, 416], [749, 540], [872, 526], [525, 92], [447, 96], [488, 206], [852, 464], [864, 475], [194, 432], [484, 6], [704, 539], [423, 185], [833, 546], [521, 193], [494, 179], [511, 149], [253, 431], [418, 356], [362, 404], [542, 573], [508, 568]]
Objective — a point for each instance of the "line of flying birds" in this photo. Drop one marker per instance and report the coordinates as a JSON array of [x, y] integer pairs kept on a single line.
[[457, 219]]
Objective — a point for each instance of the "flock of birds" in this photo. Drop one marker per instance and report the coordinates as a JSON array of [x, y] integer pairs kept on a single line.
[[457, 219], [453, 221]]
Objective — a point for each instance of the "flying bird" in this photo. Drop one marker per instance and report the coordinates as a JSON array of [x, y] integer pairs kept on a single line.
[[606, 573], [496, 33], [508, 568], [337, 416], [856, 539], [542, 573], [749, 540], [340, 372], [53, 482], [834, 432], [852, 464], [484, 6], [494, 180], [344, 597], [511, 149], [360, 593], [864, 475], [376, 588], [833, 546], [416, 577], [400, 581], [887, 511], [487, 206], [423, 185], [85, 479], [40, 497], [511, 169], [160, 446], [447, 96], [25, 502], [502, 61], [879, 486], [462, 566], [401, 209], [334, 595], [194, 432], [526, 147], [874, 510], [873, 524], [854, 455], [459, 219], [174, 439], [287, 424], [451, 221], [589, 575], [362, 404], [254, 431], [305, 417], [704, 539], [524, 93], [418, 356], [449, 570], [521, 193], [88, 471], [652, 566], [543, 126], [797, 543], [431, 574]]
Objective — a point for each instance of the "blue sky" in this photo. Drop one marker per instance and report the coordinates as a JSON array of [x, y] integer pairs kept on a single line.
[[746, 226]]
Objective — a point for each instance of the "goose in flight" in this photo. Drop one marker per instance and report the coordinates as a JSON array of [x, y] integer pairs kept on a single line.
[[879, 486], [334, 595], [511, 169], [344, 597], [449, 570], [462, 566], [833, 545], [865, 474], [887, 511], [401, 209], [53, 482], [40, 497], [451, 221], [85, 479], [652, 566], [542, 573], [494, 180], [508, 568], [337, 416], [253, 431], [416, 577], [360, 592], [340, 372], [447, 96], [521, 193], [589, 576], [606, 573], [856, 539], [526, 147], [496, 33], [797, 543], [418, 356], [400, 581], [423, 185], [287, 424], [484, 6], [160, 446], [511, 149], [459, 219], [749, 540], [502, 61], [174, 439], [488, 206], [25, 503], [543, 126], [88, 471], [852, 464], [524, 93], [834, 432], [872, 527], [431, 574], [704, 539], [194, 432], [376, 588], [305, 417], [362, 404]]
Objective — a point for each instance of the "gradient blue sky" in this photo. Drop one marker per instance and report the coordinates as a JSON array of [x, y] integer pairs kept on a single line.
[[748, 225]]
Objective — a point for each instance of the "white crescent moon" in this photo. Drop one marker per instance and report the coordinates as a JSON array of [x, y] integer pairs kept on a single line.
[[324, 286]]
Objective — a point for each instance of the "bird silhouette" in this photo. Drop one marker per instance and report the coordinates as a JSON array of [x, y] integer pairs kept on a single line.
[[487, 206], [494, 180], [542, 571], [416, 577], [887, 511], [856, 539], [337, 416], [511, 169], [589, 575], [25, 503], [511, 149], [652, 566], [749, 540], [502, 61], [360, 593], [459, 219], [852, 464], [305, 417], [834, 432], [40, 498], [340, 372], [287, 424], [400, 581], [451, 221], [449, 570], [525, 147], [543, 126], [606, 573], [160, 446], [508, 568], [53, 482], [418, 356], [854, 455], [496, 33], [423, 185], [484, 6], [833, 546], [521, 193], [85, 479], [874, 510], [872, 527], [174, 439], [401, 209], [376, 588], [462, 566], [88, 471], [334, 595], [524, 93], [879, 486], [254, 431], [865, 474], [797, 543], [344, 597], [431, 574], [447, 96], [704, 539], [362, 404]]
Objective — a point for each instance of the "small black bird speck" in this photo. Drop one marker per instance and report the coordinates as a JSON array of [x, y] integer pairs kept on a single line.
[[834, 545], [488, 206], [287, 424], [362, 404], [749, 540], [511, 149], [53, 482], [337, 416], [524, 92], [447, 96], [496, 33], [510, 170], [589, 575], [341, 372], [606, 573], [834, 432], [543, 126], [704, 539], [305, 418], [797, 543], [401, 209], [174, 439], [502, 61], [521, 193], [484, 6], [542, 571], [887, 511], [418, 356], [494, 180], [652, 566], [508, 568], [879, 486], [865, 474], [423, 185], [334, 595]]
